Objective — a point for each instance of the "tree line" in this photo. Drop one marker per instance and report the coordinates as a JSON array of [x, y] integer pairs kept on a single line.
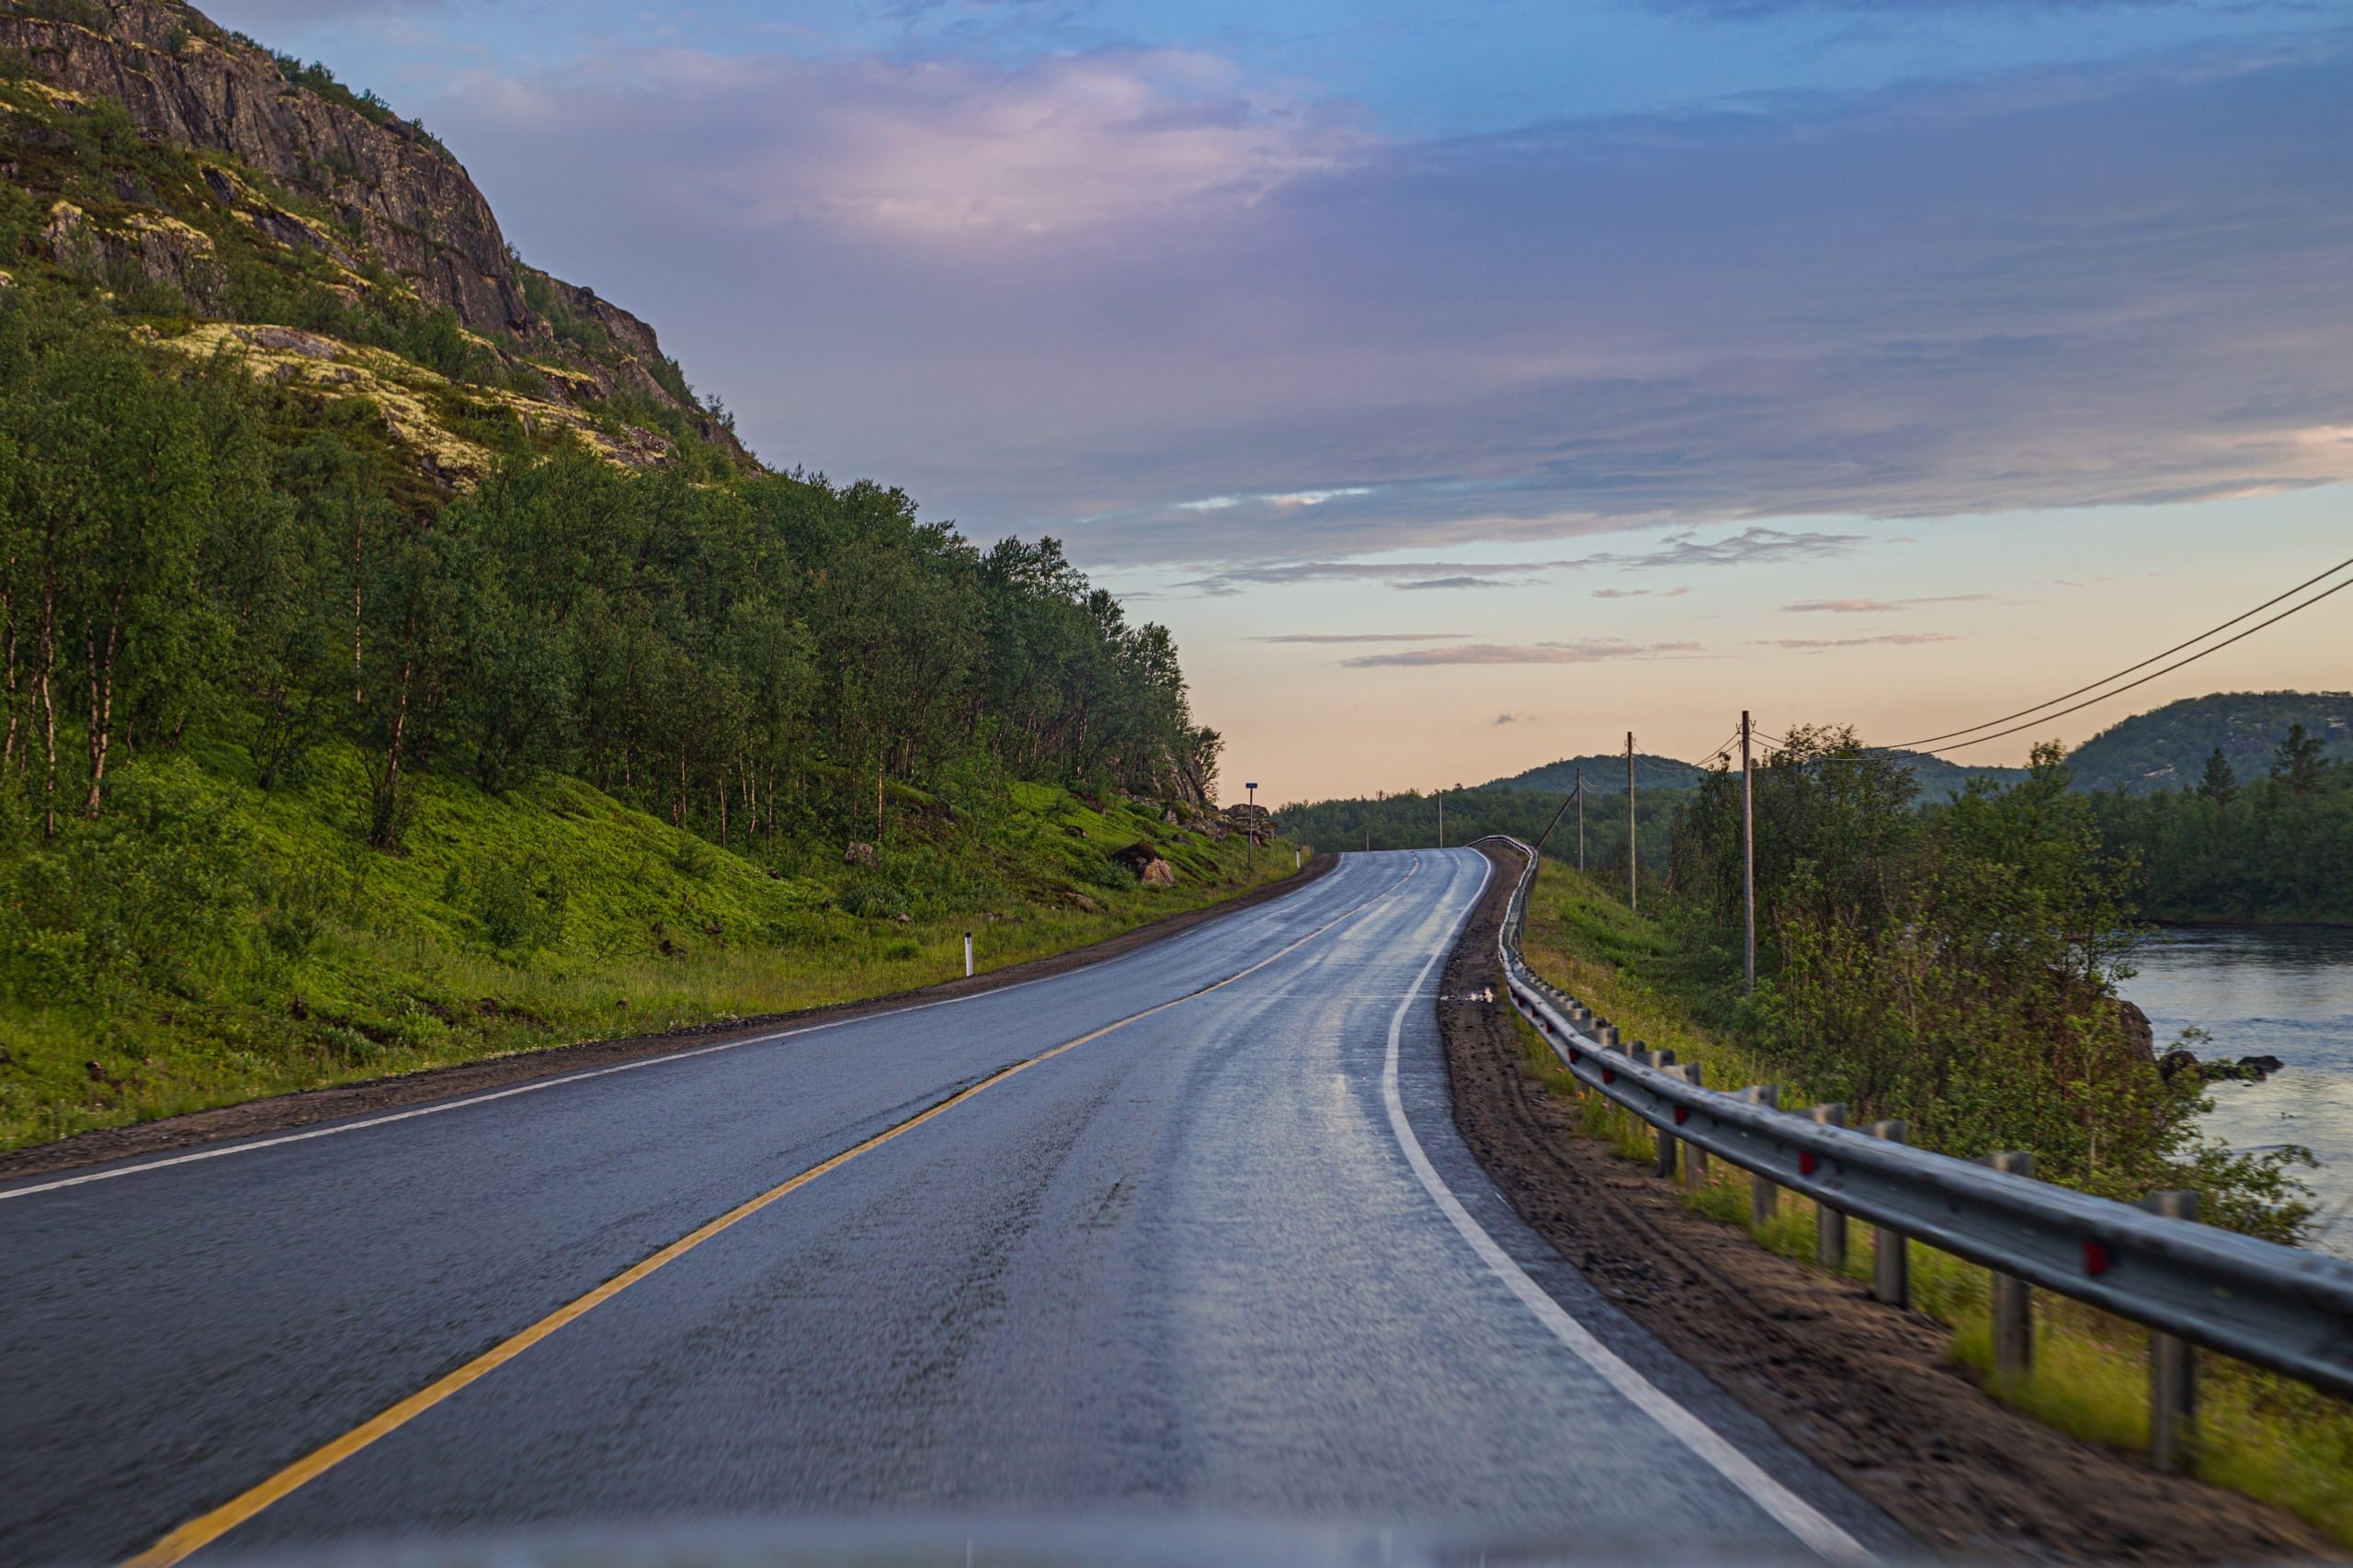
[[1953, 964], [192, 560], [1410, 821], [2277, 847]]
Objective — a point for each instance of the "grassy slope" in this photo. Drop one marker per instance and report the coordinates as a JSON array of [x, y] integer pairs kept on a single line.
[[512, 923], [2263, 1435]]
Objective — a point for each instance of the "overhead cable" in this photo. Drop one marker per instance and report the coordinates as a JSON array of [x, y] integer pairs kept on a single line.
[[2153, 674], [1950, 734]]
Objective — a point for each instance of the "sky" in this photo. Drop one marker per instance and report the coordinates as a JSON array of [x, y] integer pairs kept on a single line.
[[1466, 386]]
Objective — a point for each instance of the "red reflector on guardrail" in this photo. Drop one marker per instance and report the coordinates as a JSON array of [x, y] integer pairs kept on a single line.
[[2095, 1259], [1608, 1076], [1807, 1164], [1682, 1114]]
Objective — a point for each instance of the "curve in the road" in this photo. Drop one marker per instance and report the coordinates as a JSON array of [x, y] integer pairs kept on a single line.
[[1214, 1268]]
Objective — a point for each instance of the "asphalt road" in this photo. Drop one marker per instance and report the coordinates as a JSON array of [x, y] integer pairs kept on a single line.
[[1227, 1260]]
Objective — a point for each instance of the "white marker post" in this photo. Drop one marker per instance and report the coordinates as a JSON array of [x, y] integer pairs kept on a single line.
[[968, 955]]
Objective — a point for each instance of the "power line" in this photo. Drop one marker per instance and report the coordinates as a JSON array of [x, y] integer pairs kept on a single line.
[[1918, 744], [2153, 674]]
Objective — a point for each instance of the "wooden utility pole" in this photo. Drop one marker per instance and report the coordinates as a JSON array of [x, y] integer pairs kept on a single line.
[[1441, 817], [1580, 819], [1633, 883], [1748, 858]]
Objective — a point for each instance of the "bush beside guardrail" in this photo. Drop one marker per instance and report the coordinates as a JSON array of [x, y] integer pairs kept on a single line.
[[2194, 1285]]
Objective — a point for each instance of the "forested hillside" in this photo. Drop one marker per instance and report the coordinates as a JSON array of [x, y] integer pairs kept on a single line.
[[1603, 772], [1938, 777], [384, 681], [2166, 749]]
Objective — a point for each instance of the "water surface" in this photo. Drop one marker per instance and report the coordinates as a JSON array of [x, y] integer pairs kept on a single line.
[[2269, 990]]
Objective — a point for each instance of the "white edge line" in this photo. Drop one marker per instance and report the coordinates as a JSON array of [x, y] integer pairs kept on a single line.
[[1792, 1512], [225, 1150]]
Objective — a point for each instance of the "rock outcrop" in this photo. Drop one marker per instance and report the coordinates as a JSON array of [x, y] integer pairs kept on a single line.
[[403, 202], [1149, 866]]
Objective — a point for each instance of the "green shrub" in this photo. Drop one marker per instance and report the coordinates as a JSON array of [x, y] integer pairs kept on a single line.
[[19, 220], [522, 907], [1110, 876], [148, 893]]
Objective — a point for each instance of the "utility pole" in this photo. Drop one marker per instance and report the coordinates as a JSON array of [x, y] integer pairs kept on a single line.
[[1634, 883], [1748, 858], [1252, 785], [1580, 819], [1441, 816]]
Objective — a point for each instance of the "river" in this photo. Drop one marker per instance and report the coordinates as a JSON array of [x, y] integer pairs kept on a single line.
[[2283, 990]]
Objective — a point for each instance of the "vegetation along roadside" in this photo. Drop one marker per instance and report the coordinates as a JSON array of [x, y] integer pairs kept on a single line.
[[400, 663], [2019, 1044], [1871, 1393]]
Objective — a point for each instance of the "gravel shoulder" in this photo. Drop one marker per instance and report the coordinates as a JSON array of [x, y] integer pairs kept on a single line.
[[1866, 1391], [280, 1112]]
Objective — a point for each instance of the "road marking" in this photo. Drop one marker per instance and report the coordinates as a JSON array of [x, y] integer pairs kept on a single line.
[[537, 1085], [1792, 1512], [206, 1528]]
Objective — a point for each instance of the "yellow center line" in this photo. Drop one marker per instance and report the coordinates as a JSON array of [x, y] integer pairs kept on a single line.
[[206, 1528]]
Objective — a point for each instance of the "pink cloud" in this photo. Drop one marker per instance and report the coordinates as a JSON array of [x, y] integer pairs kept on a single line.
[[938, 151]]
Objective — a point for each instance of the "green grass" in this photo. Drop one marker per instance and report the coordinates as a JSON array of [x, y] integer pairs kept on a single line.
[[2261, 1435], [210, 942]]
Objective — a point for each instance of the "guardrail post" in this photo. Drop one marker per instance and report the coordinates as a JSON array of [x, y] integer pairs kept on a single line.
[[2173, 1370], [1829, 1224], [2013, 1298], [1667, 1140], [1695, 1158], [1891, 1264], [1606, 1037], [1764, 1195]]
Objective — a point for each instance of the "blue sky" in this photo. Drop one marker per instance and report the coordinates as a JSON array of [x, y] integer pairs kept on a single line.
[[1615, 366]]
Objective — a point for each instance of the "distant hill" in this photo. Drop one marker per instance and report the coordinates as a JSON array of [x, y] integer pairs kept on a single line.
[[1603, 775], [2166, 749], [1606, 774], [1940, 779]]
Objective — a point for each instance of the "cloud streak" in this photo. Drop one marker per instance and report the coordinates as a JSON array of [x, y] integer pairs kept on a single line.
[[1877, 607], [1587, 652], [1892, 639], [1749, 547], [1327, 637]]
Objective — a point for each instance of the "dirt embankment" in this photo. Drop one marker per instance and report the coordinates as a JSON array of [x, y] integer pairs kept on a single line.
[[1867, 1390], [280, 1112]]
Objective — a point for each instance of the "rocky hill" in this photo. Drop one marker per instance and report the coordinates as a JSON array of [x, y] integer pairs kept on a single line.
[[150, 150], [2166, 749]]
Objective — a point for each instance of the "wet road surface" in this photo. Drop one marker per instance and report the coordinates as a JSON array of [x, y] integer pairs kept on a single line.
[[1226, 1260]]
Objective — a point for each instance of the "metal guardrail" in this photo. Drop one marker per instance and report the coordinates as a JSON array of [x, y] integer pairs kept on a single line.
[[2276, 1306]]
